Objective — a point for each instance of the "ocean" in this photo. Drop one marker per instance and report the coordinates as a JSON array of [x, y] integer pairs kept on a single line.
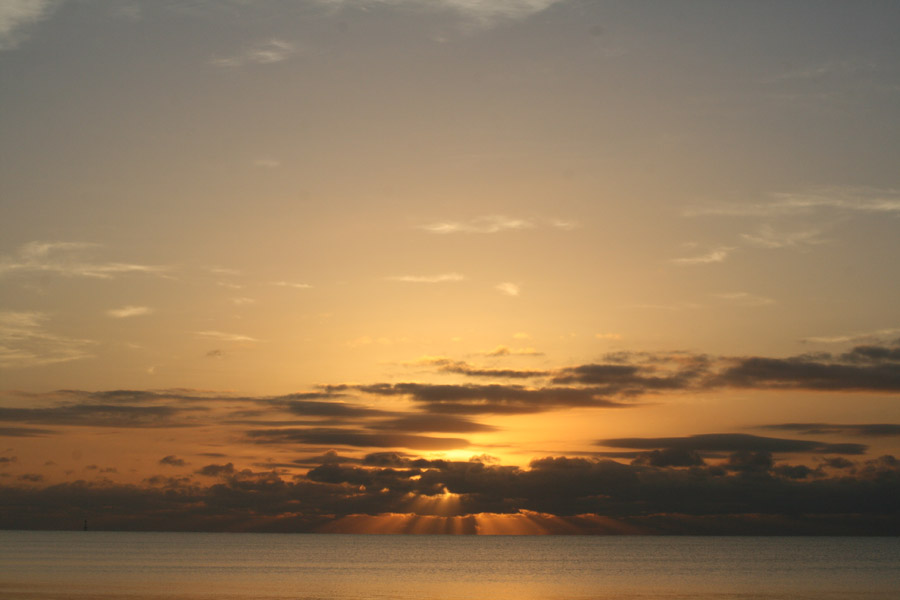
[[92, 565]]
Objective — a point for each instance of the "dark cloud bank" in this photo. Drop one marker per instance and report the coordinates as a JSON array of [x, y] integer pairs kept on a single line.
[[748, 493]]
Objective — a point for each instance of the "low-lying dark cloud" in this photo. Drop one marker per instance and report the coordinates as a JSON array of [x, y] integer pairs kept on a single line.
[[172, 461], [100, 415], [328, 457], [216, 470], [809, 374], [749, 487], [356, 438], [433, 423], [446, 365], [873, 354], [634, 379], [732, 442], [491, 398], [311, 408], [25, 432], [863, 430], [670, 457]]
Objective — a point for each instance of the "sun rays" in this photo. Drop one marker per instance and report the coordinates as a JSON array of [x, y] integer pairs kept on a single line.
[[523, 522]]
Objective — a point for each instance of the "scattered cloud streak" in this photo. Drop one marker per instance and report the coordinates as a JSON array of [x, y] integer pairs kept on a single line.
[[842, 199], [716, 255], [507, 351], [441, 278], [472, 399], [868, 336], [732, 442], [745, 299], [508, 288], [129, 311], [483, 13], [64, 258], [447, 365], [25, 342], [100, 415], [346, 437], [291, 284], [767, 237], [486, 224], [226, 337], [17, 16], [863, 430], [268, 52]]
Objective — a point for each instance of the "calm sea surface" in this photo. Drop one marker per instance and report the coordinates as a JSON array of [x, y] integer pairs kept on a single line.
[[195, 566]]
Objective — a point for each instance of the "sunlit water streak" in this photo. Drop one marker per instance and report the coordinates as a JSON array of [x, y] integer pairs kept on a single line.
[[199, 566]]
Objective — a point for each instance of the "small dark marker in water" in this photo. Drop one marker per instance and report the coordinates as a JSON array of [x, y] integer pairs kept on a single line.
[[85, 524]]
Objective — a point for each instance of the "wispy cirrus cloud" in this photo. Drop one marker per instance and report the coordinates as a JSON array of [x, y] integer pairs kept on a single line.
[[17, 16], [129, 311], [744, 299], [226, 337], [25, 342], [440, 278], [482, 12], [66, 259], [844, 199], [291, 284], [270, 51], [767, 237], [484, 224], [267, 163], [608, 336], [497, 224], [508, 288], [852, 337], [715, 255]]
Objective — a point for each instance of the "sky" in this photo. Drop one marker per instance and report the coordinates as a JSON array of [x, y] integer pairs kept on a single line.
[[450, 266]]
